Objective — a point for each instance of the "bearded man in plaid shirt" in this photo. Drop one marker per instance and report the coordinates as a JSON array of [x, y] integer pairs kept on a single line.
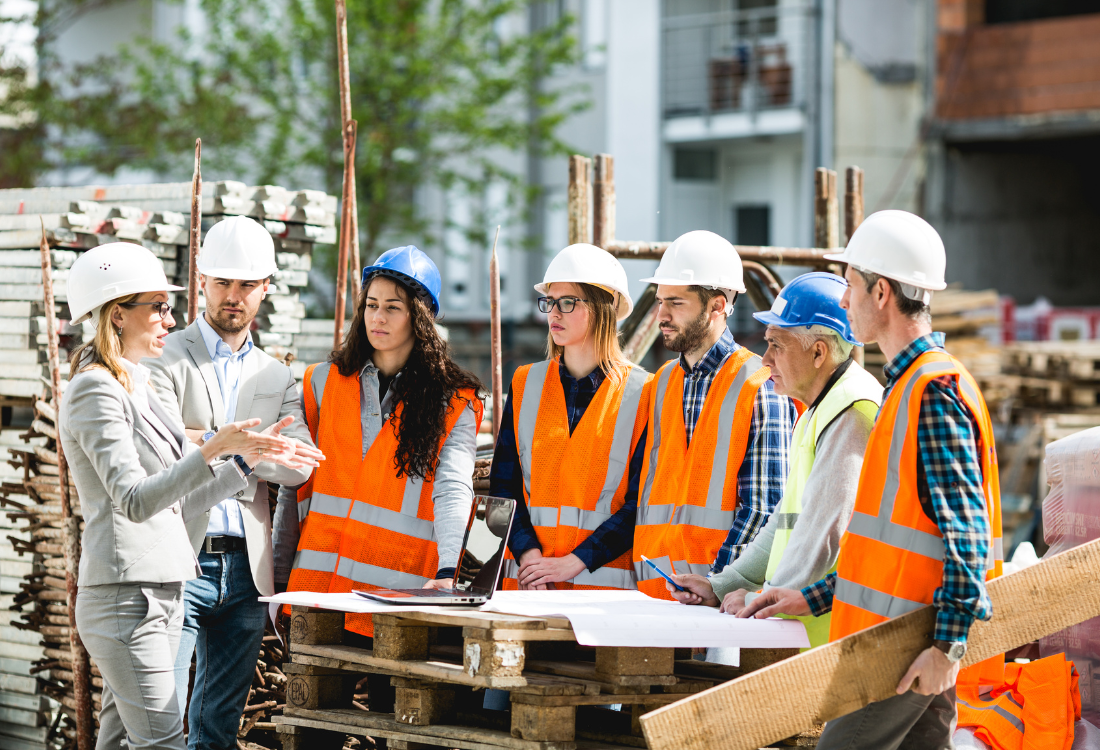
[[926, 529], [716, 454]]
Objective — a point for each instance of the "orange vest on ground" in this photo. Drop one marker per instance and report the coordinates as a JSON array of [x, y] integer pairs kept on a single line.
[[688, 495], [573, 483], [362, 526], [891, 556], [1034, 706]]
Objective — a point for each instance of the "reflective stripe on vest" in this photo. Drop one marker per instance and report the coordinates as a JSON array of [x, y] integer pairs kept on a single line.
[[689, 498], [855, 389], [891, 557], [574, 482], [362, 525]]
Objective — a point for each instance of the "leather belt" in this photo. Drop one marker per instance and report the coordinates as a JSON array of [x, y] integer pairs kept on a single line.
[[219, 544]]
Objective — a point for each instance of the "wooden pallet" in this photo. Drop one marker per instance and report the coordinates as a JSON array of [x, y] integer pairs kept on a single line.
[[440, 662]]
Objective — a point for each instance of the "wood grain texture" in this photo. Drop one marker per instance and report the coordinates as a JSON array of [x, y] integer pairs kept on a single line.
[[841, 677]]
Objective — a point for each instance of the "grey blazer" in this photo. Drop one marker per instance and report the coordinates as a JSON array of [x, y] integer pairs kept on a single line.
[[187, 384], [138, 484]]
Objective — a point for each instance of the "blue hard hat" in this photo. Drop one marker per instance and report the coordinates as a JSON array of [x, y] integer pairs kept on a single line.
[[812, 299], [412, 267]]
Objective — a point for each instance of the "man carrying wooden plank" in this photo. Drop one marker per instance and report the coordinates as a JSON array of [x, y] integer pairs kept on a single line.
[[927, 522], [809, 354], [719, 434]]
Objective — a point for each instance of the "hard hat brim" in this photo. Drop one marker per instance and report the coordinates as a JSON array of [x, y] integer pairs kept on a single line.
[[873, 268], [680, 282], [239, 274]]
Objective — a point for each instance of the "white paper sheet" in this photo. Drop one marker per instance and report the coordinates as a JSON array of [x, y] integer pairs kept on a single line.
[[603, 618]]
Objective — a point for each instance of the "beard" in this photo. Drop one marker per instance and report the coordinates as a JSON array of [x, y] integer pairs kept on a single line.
[[689, 337], [230, 324]]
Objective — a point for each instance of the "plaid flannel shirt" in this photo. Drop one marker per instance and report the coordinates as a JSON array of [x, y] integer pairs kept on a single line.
[[615, 535], [949, 485], [763, 473]]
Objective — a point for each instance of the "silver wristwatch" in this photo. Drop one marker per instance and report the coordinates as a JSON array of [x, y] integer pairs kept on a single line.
[[953, 650]]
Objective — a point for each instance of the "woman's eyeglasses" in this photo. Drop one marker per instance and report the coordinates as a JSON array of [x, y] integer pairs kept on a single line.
[[161, 308], [565, 304]]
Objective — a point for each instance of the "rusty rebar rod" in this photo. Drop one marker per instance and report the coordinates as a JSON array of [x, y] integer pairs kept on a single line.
[[494, 329], [344, 74], [347, 222], [798, 256], [81, 668], [196, 234]]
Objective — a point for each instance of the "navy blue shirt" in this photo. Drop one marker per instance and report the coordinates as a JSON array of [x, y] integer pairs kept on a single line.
[[615, 535]]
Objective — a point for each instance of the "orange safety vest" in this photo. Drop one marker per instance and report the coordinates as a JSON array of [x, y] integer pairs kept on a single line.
[[573, 483], [362, 526], [688, 496], [1033, 707], [891, 556]]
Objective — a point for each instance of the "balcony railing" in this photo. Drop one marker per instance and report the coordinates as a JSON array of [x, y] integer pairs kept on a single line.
[[736, 61]]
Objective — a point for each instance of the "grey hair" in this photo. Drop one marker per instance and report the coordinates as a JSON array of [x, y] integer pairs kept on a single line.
[[839, 349]]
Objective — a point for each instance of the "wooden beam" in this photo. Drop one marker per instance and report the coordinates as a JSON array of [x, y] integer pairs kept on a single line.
[[603, 200], [578, 199], [826, 219], [833, 680], [494, 338]]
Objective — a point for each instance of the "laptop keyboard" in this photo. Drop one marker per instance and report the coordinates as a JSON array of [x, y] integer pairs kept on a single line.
[[433, 592]]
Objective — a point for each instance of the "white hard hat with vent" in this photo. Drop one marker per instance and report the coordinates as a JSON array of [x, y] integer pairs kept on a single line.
[[110, 271], [587, 264], [900, 246], [702, 258], [238, 248]]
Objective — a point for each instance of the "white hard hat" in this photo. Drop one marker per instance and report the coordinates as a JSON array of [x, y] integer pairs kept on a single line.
[[900, 246], [587, 264], [238, 248], [701, 258], [110, 271]]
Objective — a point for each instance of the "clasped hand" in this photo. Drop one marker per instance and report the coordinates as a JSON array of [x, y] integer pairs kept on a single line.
[[237, 438]]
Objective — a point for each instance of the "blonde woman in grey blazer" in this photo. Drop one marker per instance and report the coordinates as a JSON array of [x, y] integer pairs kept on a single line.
[[139, 479]]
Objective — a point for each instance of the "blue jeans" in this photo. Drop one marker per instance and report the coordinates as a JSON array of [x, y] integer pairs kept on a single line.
[[224, 620]]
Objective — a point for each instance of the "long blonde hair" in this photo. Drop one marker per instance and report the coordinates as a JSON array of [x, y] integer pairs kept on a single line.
[[602, 327], [104, 351]]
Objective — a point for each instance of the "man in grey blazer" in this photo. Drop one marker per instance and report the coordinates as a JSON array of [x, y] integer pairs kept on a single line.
[[211, 373]]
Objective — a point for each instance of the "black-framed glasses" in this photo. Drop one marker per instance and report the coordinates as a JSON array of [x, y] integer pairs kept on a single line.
[[565, 304], [161, 308]]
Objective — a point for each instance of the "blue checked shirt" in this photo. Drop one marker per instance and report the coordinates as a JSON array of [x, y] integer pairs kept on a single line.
[[763, 473], [615, 535], [949, 485]]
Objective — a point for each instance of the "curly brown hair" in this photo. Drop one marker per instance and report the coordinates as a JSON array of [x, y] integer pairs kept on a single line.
[[429, 381]]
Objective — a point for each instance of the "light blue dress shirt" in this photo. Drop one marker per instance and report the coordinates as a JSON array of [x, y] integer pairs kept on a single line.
[[225, 517]]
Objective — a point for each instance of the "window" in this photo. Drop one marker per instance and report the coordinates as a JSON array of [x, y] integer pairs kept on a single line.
[[752, 224], [760, 23], [695, 164]]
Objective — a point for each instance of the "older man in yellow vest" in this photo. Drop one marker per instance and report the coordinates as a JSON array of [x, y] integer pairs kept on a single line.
[[809, 353]]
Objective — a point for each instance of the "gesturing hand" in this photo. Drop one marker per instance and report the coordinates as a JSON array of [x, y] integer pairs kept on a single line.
[[297, 455]]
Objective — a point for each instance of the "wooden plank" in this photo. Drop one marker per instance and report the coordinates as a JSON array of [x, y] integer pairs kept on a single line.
[[841, 677], [352, 721], [361, 660], [486, 620]]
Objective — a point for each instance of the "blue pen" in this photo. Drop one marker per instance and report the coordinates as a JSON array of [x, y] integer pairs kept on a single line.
[[664, 575]]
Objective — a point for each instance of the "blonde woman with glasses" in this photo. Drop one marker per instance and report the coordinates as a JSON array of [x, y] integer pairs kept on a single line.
[[139, 478], [572, 435]]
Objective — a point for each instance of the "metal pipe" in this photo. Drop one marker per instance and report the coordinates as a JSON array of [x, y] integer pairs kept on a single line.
[[603, 200], [799, 256], [765, 275], [196, 234], [853, 201], [494, 326], [345, 233], [71, 525], [344, 72], [578, 199]]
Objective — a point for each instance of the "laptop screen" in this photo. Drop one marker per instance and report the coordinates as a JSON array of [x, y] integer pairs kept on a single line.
[[482, 559]]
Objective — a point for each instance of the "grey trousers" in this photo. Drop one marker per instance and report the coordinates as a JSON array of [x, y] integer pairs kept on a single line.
[[904, 722], [132, 633]]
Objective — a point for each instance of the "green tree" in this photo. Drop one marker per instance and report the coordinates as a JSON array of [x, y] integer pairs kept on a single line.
[[440, 88]]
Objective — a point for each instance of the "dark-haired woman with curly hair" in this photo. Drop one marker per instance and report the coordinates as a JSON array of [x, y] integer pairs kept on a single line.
[[397, 420]]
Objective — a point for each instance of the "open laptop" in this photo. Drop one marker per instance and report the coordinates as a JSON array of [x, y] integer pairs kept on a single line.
[[474, 581]]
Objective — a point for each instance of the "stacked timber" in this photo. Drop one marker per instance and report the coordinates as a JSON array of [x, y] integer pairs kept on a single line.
[[157, 217], [1055, 374]]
